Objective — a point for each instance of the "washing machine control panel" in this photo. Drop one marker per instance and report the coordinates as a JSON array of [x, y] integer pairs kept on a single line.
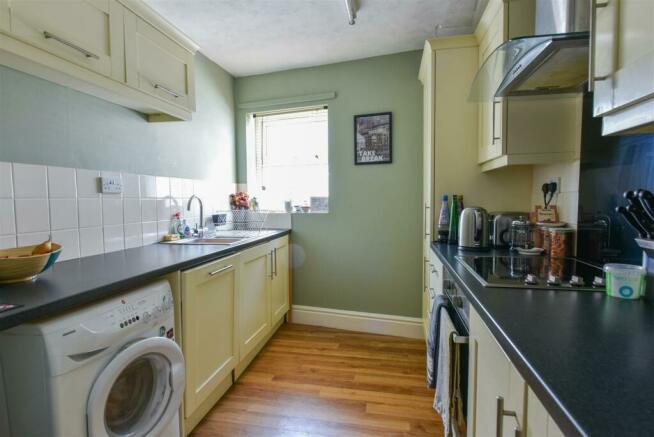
[[139, 309]]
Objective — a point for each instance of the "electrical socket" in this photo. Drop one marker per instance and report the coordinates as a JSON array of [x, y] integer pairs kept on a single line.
[[557, 180]]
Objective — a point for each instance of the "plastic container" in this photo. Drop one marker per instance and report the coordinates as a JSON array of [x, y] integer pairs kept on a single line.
[[625, 281]]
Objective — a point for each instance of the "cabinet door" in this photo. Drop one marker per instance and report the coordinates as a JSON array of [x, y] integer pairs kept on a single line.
[[491, 113], [623, 53], [88, 33], [280, 280], [495, 386], [254, 321], [158, 65], [539, 422], [209, 304], [4, 16]]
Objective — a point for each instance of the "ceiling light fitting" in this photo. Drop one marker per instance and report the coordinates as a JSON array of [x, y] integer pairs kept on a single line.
[[350, 5]]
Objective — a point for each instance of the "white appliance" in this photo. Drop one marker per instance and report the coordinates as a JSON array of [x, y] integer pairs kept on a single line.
[[109, 369]]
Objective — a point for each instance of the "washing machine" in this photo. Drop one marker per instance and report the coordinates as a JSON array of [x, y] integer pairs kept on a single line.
[[108, 369]]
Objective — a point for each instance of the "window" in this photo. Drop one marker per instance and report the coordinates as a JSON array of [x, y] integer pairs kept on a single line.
[[287, 158]]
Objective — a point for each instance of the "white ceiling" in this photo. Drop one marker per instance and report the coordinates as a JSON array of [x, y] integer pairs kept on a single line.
[[249, 37]]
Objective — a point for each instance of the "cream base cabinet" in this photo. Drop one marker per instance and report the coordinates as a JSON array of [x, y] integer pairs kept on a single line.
[[88, 33], [280, 279], [622, 65], [254, 321], [209, 306]]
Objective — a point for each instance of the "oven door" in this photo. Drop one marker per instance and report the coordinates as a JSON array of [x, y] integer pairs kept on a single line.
[[139, 392]]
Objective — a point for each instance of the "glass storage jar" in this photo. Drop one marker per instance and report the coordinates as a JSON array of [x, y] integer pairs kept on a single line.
[[561, 242], [522, 234]]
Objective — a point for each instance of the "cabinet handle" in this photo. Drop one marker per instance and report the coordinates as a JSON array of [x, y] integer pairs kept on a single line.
[[215, 272], [594, 5], [166, 90], [49, 35], [495, 138], [426, 220], [272, 271], [275, 256], [500, 412]]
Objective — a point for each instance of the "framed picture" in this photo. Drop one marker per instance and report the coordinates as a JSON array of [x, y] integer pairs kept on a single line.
[[373, 138]]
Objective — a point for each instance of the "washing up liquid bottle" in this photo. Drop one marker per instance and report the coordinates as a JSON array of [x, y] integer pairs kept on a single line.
[[443, 220]]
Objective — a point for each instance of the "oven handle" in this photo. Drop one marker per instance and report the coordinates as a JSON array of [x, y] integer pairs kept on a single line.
[[460, 339]]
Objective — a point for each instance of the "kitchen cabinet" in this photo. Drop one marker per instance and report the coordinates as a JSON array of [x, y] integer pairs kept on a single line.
[[254, 316], [88, 33], [210, 302], [117, 50], [521, 130], [280, 279], [434, 282], [499, 400], [157, 65], [622, 65]]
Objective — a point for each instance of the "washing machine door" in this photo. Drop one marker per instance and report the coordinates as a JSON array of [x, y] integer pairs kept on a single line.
[[139, 391]]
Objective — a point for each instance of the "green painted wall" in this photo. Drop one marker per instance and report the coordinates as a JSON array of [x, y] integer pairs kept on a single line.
[[44, 123], [365, 255]]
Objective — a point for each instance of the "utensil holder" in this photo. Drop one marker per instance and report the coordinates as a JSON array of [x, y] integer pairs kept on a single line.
[[648, 262]]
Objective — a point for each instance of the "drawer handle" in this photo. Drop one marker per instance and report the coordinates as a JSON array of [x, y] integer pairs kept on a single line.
[[500, 412], [49, 35], [494, 137], [215, 272], [166, 90]]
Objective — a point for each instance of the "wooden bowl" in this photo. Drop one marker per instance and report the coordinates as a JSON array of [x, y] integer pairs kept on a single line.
[[17, 265]]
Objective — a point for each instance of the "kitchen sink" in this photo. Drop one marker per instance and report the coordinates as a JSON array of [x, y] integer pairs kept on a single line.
[[221, 241]]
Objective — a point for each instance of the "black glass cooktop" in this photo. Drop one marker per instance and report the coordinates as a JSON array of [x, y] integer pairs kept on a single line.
[[534, 272]]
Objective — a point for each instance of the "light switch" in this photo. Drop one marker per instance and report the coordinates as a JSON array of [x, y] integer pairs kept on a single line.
[[111, 185]]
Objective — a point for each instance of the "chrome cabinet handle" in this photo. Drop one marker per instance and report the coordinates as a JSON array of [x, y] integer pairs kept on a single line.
[[49, 35], [166, 90], [272, 271], [426, 220], [275, 256], [500, 412], [215, 272], [594, 5], [495, 138]]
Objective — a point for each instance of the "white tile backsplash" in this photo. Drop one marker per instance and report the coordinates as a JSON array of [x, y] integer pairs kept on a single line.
[[69, 240], [133, 235], [30, 181], [61, 182], [39, 201], [87, 183], [148, 186], [91, 241], [567, 199], [8, 242], [114, 238], [32, 215], [63, 214], [131, 186], [32, 238], [112, 211], [7, 217], [131, 210], [6, 185], [90, 212]]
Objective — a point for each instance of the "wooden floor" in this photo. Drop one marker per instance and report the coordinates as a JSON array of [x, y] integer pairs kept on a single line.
[[311, 381]]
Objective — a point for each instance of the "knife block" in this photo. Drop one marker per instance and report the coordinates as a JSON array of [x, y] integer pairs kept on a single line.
[[648, 263]]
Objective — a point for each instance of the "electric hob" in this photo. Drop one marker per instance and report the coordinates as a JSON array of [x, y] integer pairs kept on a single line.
[[534, 272]]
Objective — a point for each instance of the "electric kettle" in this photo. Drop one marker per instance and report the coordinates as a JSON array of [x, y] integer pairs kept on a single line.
[[473, 229]]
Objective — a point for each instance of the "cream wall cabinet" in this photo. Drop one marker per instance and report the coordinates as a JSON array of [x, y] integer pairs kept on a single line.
[[158, 65], [280, 279], [88, 33], [254, 319], [622, 65], [209, 296], [120, 51], [499, 400], [522, 130]]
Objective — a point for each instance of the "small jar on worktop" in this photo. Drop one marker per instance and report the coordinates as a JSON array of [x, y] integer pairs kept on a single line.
[[561, 240]]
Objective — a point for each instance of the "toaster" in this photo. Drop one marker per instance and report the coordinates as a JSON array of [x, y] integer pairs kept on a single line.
[[500, 227]]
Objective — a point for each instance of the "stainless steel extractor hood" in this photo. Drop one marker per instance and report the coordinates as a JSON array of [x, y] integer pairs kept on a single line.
[[553, 61]]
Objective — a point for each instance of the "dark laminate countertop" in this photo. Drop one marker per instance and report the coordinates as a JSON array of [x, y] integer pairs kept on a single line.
[[73, 283], [588, 357]]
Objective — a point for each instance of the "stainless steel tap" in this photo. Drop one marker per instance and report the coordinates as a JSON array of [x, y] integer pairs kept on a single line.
[[200, 228]]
